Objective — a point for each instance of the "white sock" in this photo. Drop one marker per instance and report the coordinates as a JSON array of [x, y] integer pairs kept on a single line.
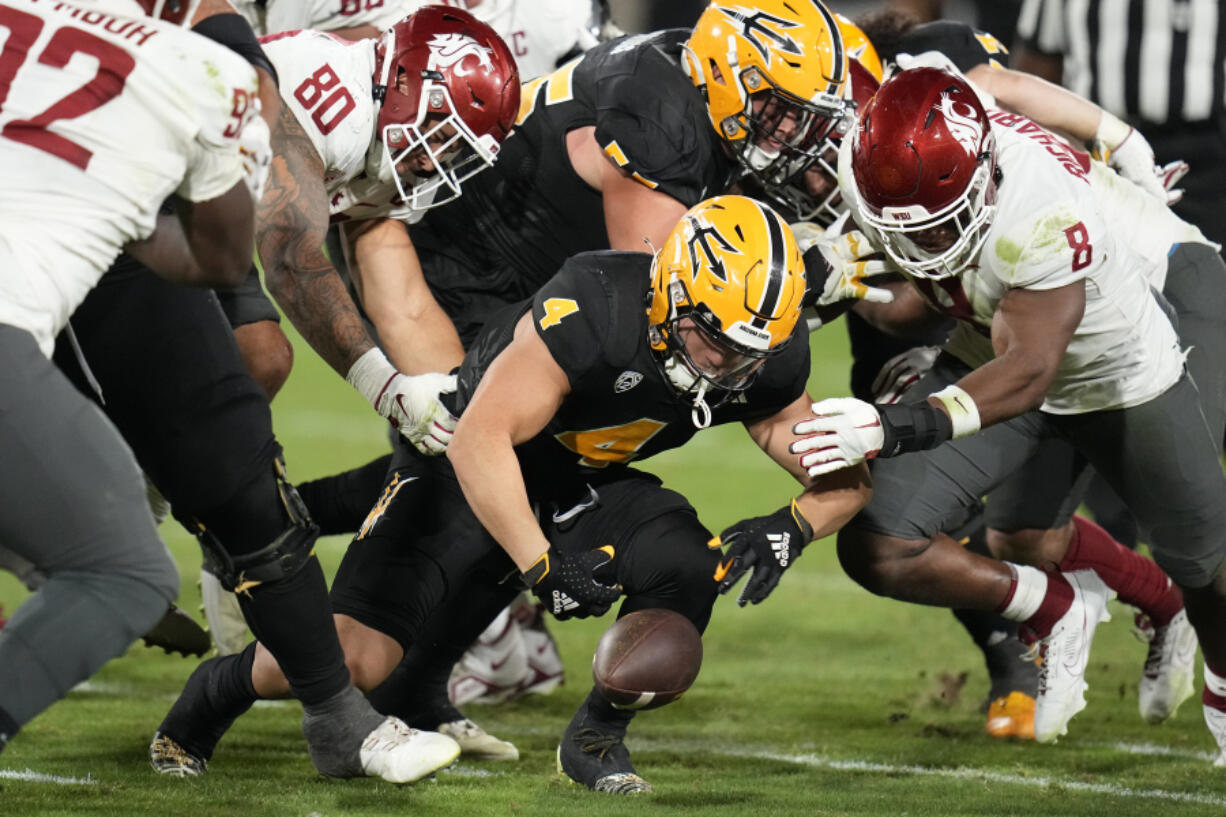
[[1029, 593]]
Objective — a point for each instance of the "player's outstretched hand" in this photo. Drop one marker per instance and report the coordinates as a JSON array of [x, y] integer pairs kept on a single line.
[[574, 585], [842, 432], [766, 544]]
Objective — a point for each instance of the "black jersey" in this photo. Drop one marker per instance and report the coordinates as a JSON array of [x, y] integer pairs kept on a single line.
[[519, 220], [965, 46], [621, 408]]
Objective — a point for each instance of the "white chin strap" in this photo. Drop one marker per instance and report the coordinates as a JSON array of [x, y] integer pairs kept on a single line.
[[685, 379]]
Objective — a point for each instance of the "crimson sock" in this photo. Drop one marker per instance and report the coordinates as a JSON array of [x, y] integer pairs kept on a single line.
[[1135, 579], [1214, 694], [1056, 600]]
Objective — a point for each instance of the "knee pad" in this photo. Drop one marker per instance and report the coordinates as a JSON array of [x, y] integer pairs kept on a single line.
[[278, 560]]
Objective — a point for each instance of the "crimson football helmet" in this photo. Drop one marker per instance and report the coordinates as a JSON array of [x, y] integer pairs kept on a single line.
[[447, 85], [924, 163]]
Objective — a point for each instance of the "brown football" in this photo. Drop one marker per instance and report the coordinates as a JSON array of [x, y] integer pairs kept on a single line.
[[647, 659]]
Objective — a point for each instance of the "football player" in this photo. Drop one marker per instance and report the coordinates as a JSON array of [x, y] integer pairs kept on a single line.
[[620, 356], [201, 426], [369, 132], [813, 193], [608, 152], [150, 111], [1040, 257]]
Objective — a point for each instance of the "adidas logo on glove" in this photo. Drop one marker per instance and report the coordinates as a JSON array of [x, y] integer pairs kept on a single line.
[[563, 602], [779, 544]]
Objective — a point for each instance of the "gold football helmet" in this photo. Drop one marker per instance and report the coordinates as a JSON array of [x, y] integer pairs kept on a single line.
[[725, 295], [774, 75]]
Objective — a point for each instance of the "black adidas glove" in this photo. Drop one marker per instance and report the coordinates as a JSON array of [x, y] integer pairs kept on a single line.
[[568, 584], [768, 544]]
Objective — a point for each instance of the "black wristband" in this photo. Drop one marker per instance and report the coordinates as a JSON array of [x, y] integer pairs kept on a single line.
[[913, 427], [816, 273], [234, 32]]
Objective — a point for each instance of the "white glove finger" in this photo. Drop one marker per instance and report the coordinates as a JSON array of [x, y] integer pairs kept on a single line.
[[877, 295], [445, 420], [1173, 197], [1169, 174], [814, 443], [1150, 184], [828, 467], [824, 457], [824, 424]]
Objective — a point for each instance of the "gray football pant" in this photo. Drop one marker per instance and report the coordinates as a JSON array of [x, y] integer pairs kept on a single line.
[[72, 502]]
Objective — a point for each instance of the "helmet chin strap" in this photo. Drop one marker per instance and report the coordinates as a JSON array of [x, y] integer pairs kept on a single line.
[[685, 379], [700, 414]]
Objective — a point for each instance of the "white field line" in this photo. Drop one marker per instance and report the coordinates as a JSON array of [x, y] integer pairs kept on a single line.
[[31, 776], [965, 773]]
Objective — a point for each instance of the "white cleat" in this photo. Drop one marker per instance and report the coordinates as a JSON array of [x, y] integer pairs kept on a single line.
[[476, 743], [493, 668], [1166, 681], [1064, 654], [1215, 719], [399, 754], [545, 671]]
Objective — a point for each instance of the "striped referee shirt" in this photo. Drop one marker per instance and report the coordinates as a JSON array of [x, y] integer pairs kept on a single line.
[[1154, 61]]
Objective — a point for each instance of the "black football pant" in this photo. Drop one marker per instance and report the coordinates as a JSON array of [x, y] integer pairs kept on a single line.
[[173, 382]]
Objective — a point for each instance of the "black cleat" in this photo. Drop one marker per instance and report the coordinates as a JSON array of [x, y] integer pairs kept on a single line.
[[592, 753], [169, 758], [179, 632]]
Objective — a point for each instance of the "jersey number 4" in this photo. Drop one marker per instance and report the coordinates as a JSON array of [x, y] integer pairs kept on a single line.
[[114, 65]]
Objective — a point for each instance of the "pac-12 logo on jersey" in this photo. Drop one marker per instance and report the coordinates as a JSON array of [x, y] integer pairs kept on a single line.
[[450, 50], [962, 124]]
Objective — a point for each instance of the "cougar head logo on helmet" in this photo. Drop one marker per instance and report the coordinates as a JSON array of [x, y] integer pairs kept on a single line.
[[924, 163], [725, 294], [773, 74], [449, 91]]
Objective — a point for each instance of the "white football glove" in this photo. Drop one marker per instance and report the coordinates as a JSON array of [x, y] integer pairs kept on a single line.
[[409, 402], [1169, 175], [1128, 152], [901, 372], [844, 256], [254, 144], [842, 432]]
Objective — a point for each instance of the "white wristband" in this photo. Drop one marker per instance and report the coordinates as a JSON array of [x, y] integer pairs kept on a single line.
[[370, 375], [962, 410], [1112, 131]]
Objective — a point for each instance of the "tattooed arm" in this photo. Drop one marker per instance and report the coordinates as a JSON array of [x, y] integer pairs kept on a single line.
[[292, 221]]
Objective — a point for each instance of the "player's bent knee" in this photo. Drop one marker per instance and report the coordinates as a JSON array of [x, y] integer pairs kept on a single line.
[[282, 558], [875, 561]]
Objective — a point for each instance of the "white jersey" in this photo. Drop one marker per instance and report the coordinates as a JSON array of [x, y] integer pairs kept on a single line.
[[1049, 231], [326, 82], [538, 32], [105, 117]]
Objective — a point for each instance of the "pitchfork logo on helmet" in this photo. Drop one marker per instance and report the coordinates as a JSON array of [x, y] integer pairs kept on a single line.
[[924, 165], [766, 38], [726, 292], [448, 91], [773, 76]]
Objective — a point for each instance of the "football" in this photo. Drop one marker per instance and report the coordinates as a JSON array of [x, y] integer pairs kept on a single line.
[[647, 659]]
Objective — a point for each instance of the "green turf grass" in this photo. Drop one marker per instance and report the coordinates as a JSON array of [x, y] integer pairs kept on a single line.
[[823, 701]]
